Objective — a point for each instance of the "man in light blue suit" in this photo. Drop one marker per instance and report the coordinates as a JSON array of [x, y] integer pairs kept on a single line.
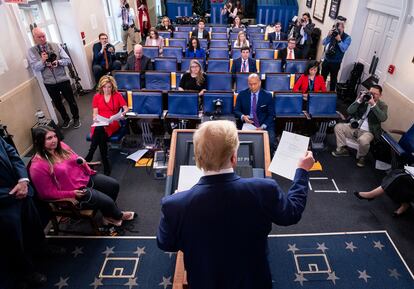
[[255, 106], [221, 224]]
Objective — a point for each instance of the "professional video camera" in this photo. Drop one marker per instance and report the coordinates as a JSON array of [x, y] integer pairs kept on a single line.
[[218, 105], [51, 57]]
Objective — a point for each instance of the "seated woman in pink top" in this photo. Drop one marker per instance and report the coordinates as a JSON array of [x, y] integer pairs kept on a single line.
[[153, 39], [57, 172]]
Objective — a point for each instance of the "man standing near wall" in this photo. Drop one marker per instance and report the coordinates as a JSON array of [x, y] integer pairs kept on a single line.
[[50, 59], [128, 28]]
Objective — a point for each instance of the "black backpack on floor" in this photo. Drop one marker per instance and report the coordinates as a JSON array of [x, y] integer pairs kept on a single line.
[[348, 90]]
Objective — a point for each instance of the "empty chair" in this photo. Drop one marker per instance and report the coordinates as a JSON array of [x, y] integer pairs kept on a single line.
[[237, 30], [185, 63], [218, 29], [277, 82], [235, 53], [219, 81], [233, 36], [181, 42], [182, 34], [218, 35], [182, 105], [241, 81], [164, 34], [155, 80], [279, 45], [218, 65], [151, 51], [165, 64], [173, 51], [203, 43], [322, 105], [256, 36], [184, 28], [260, 44], [288, 107], [254, 29], [402, 151], [264, 53], [270, 65], [218, 53], [221, 43], [210, 98], [147, 104], [127, 80], [296, 66]]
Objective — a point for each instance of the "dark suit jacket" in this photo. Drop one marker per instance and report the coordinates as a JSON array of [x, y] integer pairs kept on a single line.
[[206, 35], [221, 224], [264, 108], [99, 57], [283, 55], [146, 63], [236, 67], [271, 36], [12, 169]]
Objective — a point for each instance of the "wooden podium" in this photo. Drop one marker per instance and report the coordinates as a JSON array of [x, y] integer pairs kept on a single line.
[[179, 155]]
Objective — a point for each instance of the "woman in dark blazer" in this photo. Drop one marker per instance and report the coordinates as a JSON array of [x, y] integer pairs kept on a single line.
[[310, 81], [194, 50]]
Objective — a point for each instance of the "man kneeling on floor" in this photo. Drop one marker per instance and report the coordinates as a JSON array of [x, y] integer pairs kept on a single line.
[[224, 220], [367, 113]]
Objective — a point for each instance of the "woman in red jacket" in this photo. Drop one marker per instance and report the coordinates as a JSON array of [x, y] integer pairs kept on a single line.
[[310, 81]]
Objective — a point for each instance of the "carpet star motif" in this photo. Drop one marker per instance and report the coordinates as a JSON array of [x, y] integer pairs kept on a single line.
[[394, 273], [62, 282], [332, 277], [292, 248], [108, 251], [322, 247], [165, 282], [350, 246], [378, 245], [170, 253], [364, 275], [300, 279], [131, 282], [78, 251], [140, 251], [96, 283]]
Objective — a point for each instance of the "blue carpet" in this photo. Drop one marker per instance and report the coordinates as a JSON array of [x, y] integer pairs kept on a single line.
[[353, 260]]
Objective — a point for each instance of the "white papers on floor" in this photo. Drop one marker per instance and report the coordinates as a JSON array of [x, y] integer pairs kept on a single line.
[[248, 126], [136, 156], [189, 176], [409, 170], [103, 121], [291, 148]]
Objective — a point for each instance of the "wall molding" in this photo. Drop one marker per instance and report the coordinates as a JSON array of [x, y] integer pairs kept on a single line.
[[17, 89]]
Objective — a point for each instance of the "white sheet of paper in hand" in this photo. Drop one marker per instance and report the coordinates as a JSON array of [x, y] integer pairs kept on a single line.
[[189, 176], [248, 126], [291, 148]]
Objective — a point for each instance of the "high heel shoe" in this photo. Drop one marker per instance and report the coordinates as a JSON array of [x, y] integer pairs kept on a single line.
[[128, 216], [356, 194], [110, 221]]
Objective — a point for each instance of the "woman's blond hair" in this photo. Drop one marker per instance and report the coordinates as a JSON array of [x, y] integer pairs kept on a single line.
[[238, 39], [214, 144], [200, 75], [107, 79]]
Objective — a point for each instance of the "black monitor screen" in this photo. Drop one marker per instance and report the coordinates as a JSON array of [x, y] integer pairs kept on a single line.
[[245, 154]]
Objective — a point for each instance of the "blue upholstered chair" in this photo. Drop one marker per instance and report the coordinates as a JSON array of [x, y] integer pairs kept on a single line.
[[219, 36], [235, 53], [259, 44], [184, 28], [181, 34], [270, 65], [254, 29], [256, 37], [218, 29], [127, 80], [219, 81], [233, 36], [295, 66], [322, 105], [219, 43], [218, 65], [402, 151], [155, 80], [147, 104], [277, 82], [150, 51], [173, 51], [203, 43], [182, 105], [164, 34], [181, 42], [264, 53], [218, 53], [279, 45], [241, 81], [288, 109], [227, 98], [165, 64]]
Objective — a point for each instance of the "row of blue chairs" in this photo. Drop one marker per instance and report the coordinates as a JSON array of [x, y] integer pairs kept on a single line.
[[214, 35], [216, 81], [220, 28], [177, 52], [224, 65], [185, 104]]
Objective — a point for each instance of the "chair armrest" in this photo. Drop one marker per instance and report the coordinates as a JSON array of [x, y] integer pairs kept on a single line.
[[392, 143], [307, 115]]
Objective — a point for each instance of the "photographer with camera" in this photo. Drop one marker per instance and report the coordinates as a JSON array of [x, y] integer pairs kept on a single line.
[[129, 30], [336, 43], [104, 59], [367, 113], [50, 60], [303, 34]]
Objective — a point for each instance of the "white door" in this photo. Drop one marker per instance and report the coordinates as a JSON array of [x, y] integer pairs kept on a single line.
[[378, 36]]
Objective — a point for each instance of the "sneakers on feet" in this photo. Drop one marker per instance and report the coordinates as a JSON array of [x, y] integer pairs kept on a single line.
[[361, 162], [76, 123], [341, 152], [66, 123]]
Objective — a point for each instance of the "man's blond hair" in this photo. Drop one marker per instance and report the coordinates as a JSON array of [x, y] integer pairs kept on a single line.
[[214, 144]]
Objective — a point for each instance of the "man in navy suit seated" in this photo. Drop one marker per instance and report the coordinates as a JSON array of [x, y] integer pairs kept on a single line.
[[277, 35], [244, 63], [255, 106], [221, 224], [104, 59]]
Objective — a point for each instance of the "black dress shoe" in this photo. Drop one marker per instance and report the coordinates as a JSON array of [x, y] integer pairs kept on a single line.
[[356, 194], [399, 215], [35, 279]]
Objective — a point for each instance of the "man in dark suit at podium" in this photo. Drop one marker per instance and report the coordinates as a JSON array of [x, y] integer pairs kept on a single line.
[[255, 106], [221, 224]]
